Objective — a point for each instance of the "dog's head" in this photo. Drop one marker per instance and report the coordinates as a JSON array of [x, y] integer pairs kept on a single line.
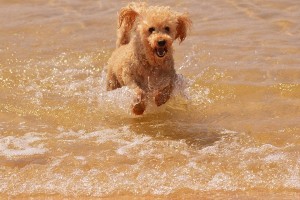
[[156, 27]]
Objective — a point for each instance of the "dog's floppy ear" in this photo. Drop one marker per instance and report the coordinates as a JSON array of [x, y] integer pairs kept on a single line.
[[127, 18], [126, 21], [183, 25]]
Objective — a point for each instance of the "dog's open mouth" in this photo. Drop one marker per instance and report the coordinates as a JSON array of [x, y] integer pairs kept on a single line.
[[161, 51]]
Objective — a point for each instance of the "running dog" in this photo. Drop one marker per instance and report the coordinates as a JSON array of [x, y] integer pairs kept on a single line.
[[143, 59]]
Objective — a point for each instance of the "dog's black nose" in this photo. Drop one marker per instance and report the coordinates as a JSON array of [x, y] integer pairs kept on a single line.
[[161, 43]]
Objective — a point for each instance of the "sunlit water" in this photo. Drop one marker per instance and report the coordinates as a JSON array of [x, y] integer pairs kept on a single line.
[[230, 130]]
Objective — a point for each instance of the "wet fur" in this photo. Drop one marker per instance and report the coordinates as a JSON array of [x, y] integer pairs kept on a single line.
[[137, 60]]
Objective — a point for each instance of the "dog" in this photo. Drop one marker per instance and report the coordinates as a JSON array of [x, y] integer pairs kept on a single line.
[[143, 59]]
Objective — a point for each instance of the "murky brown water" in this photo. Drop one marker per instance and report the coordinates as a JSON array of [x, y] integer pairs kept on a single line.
[[232, 132]]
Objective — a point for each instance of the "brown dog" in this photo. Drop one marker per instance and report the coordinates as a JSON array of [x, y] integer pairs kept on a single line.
[[143, 59]]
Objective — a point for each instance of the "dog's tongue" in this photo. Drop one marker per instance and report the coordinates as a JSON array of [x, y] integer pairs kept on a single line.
[[160, 52]]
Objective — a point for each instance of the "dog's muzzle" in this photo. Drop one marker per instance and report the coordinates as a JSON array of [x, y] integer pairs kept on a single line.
[[161, 48]]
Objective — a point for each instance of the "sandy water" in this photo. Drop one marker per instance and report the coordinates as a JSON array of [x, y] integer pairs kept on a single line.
[[230, 131]]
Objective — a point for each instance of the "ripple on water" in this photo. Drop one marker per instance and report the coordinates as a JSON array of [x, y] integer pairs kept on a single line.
[[120, 160], [26, 145]]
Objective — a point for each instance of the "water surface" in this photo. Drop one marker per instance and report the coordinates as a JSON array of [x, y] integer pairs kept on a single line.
[[231, 129]]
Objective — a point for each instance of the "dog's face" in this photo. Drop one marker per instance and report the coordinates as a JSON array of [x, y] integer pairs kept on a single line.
[[157, 30], [156, 27]]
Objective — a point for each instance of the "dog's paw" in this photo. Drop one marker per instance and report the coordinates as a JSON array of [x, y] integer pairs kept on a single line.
[[161, 98], [138, 108]]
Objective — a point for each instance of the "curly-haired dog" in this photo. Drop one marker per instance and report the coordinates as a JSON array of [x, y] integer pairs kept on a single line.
[[143, 59]]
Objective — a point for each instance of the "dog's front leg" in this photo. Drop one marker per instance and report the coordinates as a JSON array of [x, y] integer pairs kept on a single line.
[[162, 96], [112, 82], [139, 103]]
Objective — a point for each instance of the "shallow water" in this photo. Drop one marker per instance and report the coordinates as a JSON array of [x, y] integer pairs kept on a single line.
[[231, 129]]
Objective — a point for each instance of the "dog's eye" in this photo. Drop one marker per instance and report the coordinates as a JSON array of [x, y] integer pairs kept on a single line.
[[151, 30], [167, 29]]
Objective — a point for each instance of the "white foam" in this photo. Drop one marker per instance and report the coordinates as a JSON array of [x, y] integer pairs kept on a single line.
[[132, 144], [122, 137], [11, 146], [293, 180], [276, 157], [260, 149], [82, 158], [100, 136], [228, 132], [221, 181], [213, 150]]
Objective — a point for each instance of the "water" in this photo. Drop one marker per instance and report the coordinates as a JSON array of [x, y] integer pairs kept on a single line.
[[230, 131]]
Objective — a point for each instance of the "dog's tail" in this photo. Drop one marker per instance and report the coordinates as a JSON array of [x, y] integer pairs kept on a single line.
[[126, 22]]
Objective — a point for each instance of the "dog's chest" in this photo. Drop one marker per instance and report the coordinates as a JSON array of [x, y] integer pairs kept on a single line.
[[156, 79]]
